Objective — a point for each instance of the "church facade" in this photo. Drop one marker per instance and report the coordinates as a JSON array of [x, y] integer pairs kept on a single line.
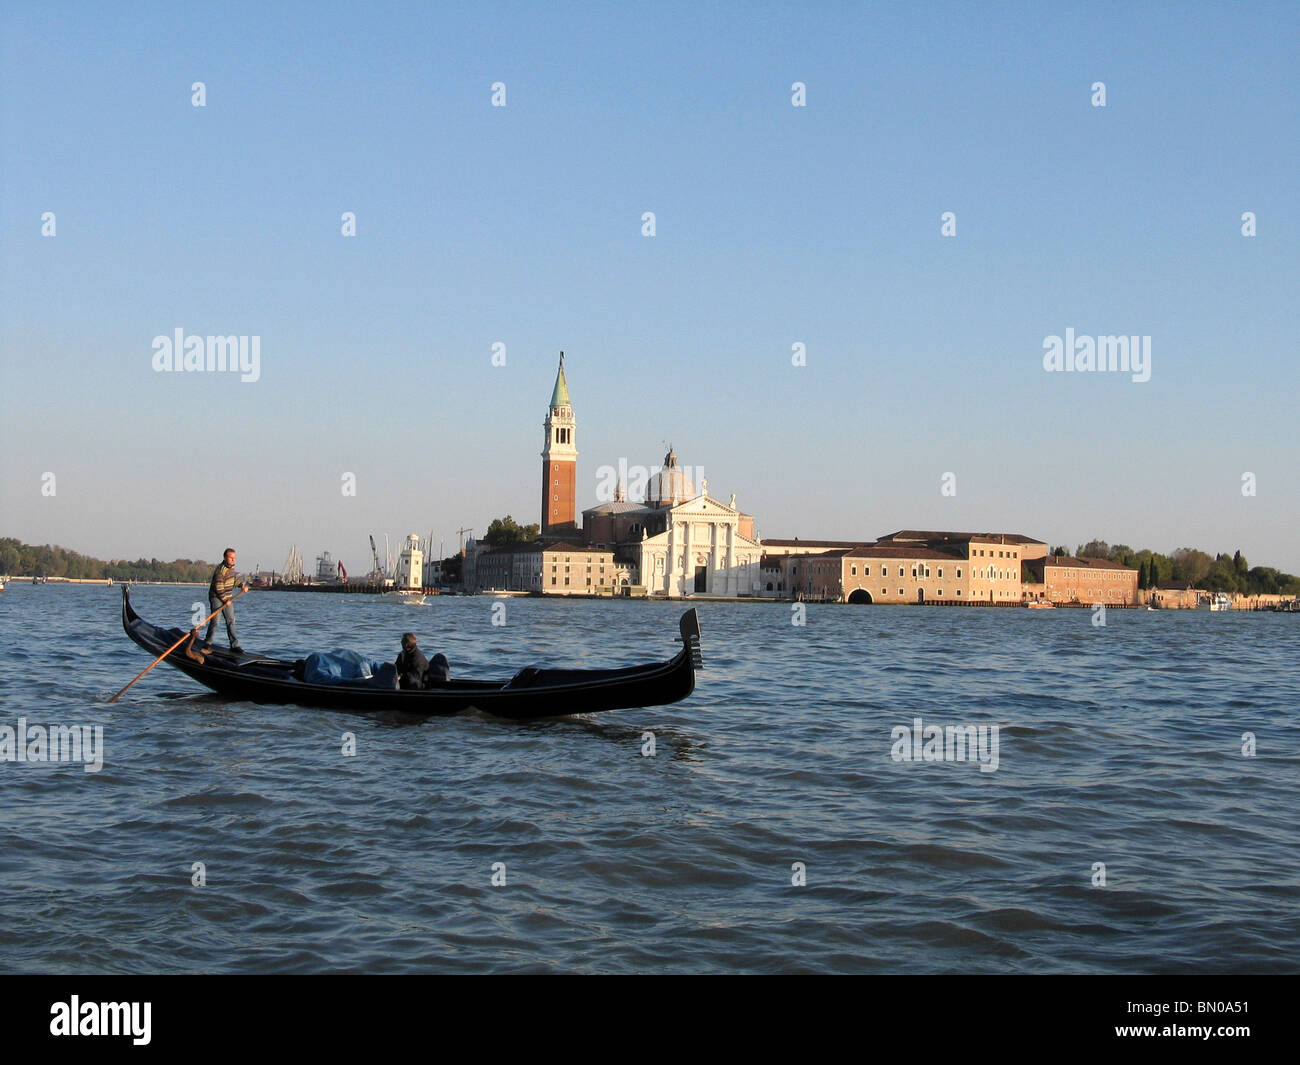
[[681, 542]]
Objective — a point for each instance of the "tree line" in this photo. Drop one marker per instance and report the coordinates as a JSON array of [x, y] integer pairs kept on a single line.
[[1220, 573], [18, 559]]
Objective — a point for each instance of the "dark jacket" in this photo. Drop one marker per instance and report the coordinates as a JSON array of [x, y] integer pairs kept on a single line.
[[411, 668]]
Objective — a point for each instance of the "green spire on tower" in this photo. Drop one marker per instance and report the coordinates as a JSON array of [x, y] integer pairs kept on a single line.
[[560, 396]]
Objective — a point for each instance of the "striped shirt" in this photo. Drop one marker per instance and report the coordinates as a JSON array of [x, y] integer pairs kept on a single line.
[[223, 581]]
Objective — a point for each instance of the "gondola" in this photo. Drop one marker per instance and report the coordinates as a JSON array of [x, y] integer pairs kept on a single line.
[[530, 693]]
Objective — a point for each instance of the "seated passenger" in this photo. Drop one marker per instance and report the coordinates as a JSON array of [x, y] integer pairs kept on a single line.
[[439, 669], [411, 664]]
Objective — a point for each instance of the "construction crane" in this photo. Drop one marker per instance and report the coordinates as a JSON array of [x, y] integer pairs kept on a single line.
[[461, 533], [377, 574], [343, 573]]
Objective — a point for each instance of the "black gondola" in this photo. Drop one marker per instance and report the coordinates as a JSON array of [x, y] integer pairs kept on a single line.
[[531, 693]]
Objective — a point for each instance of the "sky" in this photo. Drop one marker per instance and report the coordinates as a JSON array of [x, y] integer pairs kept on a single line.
[[522, 225]]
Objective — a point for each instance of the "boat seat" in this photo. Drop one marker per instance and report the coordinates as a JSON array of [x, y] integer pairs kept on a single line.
[[523, 679]]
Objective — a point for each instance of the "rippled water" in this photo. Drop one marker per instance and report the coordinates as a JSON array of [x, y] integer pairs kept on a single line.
[[1120, 745]]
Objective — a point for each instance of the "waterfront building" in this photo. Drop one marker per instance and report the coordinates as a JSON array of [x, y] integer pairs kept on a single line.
[[908, 566], [554, 567], [1064, 579], [774, 572]]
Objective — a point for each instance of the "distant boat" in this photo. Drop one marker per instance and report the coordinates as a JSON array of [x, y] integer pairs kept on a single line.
[[411, 598], [1219, 601], [1040, 604]]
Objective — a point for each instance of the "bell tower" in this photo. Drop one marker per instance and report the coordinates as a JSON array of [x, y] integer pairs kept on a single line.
[[560, 463]]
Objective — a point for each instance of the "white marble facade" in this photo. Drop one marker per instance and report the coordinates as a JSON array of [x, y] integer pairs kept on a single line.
[[700, 551]]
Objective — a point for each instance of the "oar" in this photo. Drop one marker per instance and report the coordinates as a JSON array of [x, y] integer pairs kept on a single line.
[[178, 643]]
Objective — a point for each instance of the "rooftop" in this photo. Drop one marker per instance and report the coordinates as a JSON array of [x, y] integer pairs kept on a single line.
[[1070, 562], [960, 537], [560, 394]]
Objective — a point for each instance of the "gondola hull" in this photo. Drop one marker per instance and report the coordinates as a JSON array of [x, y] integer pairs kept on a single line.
[[531, 694]]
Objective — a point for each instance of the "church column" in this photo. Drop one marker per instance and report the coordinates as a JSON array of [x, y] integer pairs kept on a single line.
[[671, 560], [688, 563], [731, 558], [715, 558]]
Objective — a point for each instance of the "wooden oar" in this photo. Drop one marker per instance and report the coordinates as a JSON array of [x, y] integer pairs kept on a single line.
[[178, 643]]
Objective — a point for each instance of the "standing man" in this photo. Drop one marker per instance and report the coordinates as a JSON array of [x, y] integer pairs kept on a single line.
[[220, 592]]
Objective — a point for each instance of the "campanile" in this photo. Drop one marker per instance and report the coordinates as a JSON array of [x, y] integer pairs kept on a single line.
[[560, 463]]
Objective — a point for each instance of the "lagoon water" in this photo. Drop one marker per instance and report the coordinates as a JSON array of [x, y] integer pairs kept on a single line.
[[1120, 744]]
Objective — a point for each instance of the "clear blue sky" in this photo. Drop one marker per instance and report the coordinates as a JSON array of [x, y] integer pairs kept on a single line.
[[775, 225]]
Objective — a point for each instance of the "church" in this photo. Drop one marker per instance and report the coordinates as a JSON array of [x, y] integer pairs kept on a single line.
[[678, 541]]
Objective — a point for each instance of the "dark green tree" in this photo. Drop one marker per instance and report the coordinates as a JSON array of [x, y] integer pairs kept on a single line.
[[507, 531]]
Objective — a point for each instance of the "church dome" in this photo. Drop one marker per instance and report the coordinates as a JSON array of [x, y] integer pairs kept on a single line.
[[671, 484]]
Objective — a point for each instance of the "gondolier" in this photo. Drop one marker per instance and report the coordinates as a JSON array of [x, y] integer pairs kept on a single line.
[[220, 592]]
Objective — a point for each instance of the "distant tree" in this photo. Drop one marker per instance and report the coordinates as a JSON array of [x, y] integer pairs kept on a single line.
[[1095, 549], [1239, 564], [1222, 576], [507, 531], [1144, 576], [1153, 575], [1060, 552], [1191, 565]]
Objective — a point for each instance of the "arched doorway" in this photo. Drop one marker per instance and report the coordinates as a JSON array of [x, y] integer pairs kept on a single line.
[[859, 595], [920, 595]]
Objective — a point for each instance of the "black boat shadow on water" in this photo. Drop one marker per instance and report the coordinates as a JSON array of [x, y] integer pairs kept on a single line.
[[680, 745], [683, 747]]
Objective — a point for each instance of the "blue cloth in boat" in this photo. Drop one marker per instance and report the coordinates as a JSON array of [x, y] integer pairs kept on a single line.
[[342, 666]]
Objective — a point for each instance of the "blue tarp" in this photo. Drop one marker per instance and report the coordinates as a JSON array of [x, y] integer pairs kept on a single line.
[[342, 666]]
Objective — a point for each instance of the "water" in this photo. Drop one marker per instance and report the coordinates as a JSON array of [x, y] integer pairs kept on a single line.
[[1120, 745]]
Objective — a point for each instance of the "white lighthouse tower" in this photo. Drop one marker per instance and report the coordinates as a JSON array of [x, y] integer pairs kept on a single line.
[[410, 564]]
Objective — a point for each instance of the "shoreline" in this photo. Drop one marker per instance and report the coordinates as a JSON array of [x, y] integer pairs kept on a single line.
[[1259, 604]]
